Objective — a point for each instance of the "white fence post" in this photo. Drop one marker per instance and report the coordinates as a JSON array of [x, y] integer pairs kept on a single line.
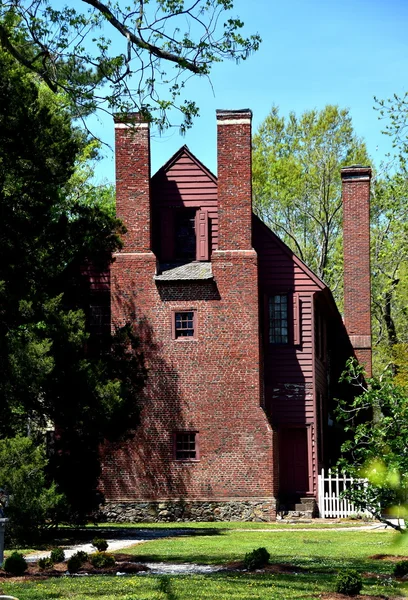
[[330, 488]]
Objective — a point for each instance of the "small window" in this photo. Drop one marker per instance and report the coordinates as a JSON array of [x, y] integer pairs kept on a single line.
[[99, 319], [186, 445], [278, 319], [184, 324]]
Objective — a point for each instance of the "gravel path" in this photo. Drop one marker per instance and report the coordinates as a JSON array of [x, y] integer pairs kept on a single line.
[[140, 536]]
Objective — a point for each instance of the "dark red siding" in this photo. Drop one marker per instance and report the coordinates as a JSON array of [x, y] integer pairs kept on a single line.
[[289, 375], [185, 183]]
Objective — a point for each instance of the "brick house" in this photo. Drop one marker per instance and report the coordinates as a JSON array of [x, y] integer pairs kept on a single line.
[[244, 343]]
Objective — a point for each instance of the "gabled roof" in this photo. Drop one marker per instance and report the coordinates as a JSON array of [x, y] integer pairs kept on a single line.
[[284, 248], [186, 151]]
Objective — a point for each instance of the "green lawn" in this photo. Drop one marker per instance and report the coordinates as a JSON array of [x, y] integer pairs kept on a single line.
[[235, 525], [309, 549], [315, 557]]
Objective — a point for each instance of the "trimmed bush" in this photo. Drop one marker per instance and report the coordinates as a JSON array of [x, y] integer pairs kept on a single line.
[[57, 555], [76, 561], [349, 583], [401, 568], [45, 563], [256, 559], [99, 560], [15, 564], [100, 544]]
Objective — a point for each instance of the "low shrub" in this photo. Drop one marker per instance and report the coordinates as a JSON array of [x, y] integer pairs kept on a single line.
[[349, 583], [45, 563], [76, 561], [57, 555], [100, 544], [99, 560], [15, 564], [401, 568], [256, 559]]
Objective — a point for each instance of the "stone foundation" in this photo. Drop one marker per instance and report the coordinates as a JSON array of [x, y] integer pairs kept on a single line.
[[178, 511]]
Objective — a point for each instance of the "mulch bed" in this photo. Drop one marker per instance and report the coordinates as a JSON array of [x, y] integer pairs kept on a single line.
[[271, 568], [124, 564], [335, 596], [390, 557]]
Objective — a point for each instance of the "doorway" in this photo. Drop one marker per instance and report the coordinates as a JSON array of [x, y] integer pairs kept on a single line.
[[294, 467]]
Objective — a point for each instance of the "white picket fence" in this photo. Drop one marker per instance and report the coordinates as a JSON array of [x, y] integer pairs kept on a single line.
[[331, 485]]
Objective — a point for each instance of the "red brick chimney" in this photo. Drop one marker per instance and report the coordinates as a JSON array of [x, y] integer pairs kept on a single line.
[[234, 179], [132, 149], [356, 242]]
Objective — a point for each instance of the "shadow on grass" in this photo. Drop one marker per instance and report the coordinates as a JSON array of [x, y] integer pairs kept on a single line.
[[70, 536]]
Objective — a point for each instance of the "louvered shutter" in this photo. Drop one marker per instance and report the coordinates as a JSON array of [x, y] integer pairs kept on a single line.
[[296, 320], [202, 235]]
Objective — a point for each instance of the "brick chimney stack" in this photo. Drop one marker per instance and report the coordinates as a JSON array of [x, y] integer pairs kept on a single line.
[[356, 242], [132, 149], [234, 179]]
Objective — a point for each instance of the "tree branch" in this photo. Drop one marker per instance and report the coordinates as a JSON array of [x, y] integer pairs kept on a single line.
[[7, 45], [139, 42]]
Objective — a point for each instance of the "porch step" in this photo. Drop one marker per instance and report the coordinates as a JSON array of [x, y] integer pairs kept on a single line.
[[299, 514], [305, 509]]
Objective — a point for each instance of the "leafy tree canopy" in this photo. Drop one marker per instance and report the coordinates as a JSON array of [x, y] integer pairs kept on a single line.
[[50, 228], [135, 56], [297, 184], [389, 264], [377, 425]]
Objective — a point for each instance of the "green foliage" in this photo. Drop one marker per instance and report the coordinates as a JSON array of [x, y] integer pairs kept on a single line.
[[401, 568], [32, 502], [15, 564], [158, 46], [297, 184], [76, 561], [349, 583], [51, 369], [389, 263], [45, 563], [256, 559], [377, 427], [57, 555], [99, 560], [100, 544]]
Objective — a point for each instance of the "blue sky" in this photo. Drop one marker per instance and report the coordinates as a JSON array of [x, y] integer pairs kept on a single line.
[[314, 52]]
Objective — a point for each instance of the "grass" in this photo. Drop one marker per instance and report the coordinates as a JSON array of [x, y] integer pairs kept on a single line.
[[315, 556], [192, 587], [324, 549], [234, 525]]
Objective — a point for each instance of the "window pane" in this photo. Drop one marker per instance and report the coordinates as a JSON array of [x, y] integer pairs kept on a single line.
[[278, 319], [184, 324], [186, 446]]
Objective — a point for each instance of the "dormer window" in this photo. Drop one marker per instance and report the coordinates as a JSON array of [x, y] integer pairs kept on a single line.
[[184, 235]]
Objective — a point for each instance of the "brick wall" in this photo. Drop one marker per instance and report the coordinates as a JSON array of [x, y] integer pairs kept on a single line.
[[356, 242], [132, 151], [210, 384], [234, 179]]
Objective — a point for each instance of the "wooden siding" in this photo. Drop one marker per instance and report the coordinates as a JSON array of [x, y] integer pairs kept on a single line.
[[184, 182], [288, 368]]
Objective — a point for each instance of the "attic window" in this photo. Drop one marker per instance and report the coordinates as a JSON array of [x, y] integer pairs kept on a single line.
[[185, 234]]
